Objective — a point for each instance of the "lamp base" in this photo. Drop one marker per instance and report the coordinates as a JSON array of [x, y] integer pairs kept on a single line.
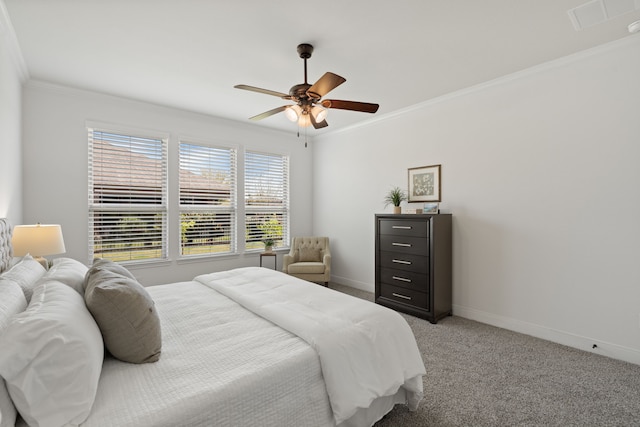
[[43, 261]]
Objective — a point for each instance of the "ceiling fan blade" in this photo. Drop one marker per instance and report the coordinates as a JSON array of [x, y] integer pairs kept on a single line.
[[269, 113], [265, 91], [325, 84], [364, 107], [318, 125]]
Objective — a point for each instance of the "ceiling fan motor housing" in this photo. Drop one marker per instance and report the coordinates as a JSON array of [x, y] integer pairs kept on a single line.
[[299, 92]]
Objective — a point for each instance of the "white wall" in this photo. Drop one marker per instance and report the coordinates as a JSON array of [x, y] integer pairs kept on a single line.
[[541, 173], [55, 163], [11, 76]]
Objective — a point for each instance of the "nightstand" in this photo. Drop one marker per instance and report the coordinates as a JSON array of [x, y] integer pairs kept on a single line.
[[270, 254]]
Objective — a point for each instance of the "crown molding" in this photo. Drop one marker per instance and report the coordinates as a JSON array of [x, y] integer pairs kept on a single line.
[[8, 35], [630, 40]]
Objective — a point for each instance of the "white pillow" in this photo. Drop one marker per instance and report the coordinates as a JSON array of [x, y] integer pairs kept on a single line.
[[52, 357], [12, 302], [68, 271], [26, 274]]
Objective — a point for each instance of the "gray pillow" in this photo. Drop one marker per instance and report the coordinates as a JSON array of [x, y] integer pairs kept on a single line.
[[124, 312], [105, 264]]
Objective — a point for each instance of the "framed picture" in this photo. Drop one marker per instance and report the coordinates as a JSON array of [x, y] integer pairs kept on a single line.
[[424, 184], [431, 208]]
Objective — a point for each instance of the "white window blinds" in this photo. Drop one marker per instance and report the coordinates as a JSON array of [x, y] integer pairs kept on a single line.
[[127, 196], [266, 189], [207, 200]]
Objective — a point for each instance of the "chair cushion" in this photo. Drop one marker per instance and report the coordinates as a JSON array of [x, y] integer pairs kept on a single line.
[[309, 255], [306, 268]]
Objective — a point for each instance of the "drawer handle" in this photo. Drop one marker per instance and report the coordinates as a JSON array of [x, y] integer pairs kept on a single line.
[[399, 261], [402, 279], [404, 245], [401, 296], [402, 227]]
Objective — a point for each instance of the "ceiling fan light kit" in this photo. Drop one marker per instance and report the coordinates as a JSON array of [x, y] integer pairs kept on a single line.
[[304, 121], [319, 113], [309, 108], [293, 112]]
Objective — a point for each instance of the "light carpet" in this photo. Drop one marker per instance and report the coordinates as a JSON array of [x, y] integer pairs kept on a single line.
[[480, 375]]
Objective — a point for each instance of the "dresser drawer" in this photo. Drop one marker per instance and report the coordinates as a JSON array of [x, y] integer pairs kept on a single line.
[[404, 279], [413, 264], [399, 227], [406, 296], [404, 244], [405, 262]]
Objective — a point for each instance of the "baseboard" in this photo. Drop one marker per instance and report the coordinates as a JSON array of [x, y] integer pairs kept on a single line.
[[353, 283], [580, 342], [602, 348]]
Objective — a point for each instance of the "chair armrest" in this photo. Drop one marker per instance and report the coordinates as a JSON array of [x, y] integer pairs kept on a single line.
[[286, 260], [326, 259]]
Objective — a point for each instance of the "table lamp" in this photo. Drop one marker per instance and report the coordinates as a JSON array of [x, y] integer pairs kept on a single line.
[[38, 240]]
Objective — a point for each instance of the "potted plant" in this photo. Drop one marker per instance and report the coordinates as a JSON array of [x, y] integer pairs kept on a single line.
[[395, 196], [268, 244]]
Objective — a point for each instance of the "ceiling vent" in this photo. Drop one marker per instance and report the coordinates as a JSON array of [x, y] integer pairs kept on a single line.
[[598, 11]]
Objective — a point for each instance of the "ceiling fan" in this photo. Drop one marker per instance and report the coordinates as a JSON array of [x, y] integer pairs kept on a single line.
[[309, 108]]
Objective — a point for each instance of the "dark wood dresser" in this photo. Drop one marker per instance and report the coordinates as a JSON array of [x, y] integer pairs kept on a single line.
[[413, 264]]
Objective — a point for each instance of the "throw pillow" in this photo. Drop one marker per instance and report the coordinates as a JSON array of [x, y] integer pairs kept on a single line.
[[108, 265], [125, 314], [309, 255]]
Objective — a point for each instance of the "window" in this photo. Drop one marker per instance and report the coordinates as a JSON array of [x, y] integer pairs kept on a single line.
[[266, 192], [207, 200], [127, 196]]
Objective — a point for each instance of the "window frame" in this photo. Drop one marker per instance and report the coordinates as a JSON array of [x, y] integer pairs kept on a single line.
[[135, 207], [282, 209], [231, 209]]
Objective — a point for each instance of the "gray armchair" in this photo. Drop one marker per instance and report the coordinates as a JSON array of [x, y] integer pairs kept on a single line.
[[309, 259]]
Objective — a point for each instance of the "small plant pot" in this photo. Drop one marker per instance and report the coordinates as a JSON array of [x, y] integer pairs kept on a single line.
[[268, 249], [397, 209]]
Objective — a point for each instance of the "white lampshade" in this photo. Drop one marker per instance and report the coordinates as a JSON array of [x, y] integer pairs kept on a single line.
[[293, 112], [319, 113], [304, 121], [38, 240]]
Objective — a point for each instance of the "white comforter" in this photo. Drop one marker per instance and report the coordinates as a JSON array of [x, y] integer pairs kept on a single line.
[[220, 366], [366, 351]]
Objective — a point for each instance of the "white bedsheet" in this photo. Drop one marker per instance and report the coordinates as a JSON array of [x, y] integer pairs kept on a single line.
[[366, 351], [245, 372]]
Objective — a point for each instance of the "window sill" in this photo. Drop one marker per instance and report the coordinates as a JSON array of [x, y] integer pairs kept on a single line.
[[135, 265]]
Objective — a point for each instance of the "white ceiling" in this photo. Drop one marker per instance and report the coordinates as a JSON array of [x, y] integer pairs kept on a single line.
[[190, 53]]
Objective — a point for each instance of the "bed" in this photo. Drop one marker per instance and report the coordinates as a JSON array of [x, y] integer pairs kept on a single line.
[[249, 346]]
